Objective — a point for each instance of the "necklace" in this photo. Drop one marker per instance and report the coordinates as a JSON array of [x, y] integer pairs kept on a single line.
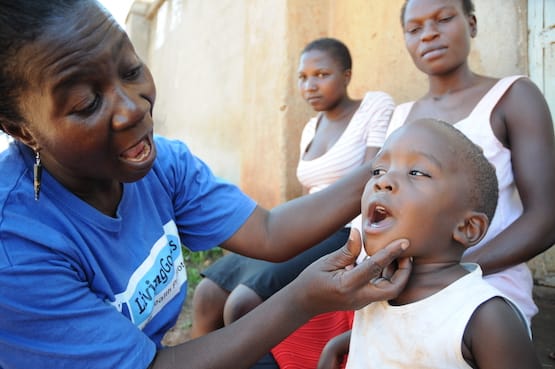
[[463, 86], [438, 98]]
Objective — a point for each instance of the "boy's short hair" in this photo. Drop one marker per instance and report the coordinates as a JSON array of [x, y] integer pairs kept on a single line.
[[482, 179]]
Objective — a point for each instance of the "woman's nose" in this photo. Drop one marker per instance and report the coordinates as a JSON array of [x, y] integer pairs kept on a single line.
[[129, 109], [429, 31], [309, 84]]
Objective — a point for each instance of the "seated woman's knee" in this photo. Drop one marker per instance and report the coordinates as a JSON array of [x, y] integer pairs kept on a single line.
[[240, 301]]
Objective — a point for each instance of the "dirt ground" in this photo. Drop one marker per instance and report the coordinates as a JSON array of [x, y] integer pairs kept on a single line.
[[181, 331], [543, 326]]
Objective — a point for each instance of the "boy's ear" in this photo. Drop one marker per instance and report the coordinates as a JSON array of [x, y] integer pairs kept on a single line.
[[471, 229]]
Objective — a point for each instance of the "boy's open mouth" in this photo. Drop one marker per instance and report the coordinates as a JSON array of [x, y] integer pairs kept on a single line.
[[378, 214]]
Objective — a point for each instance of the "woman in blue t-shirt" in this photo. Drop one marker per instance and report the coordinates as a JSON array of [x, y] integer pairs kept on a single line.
[[94, 210]]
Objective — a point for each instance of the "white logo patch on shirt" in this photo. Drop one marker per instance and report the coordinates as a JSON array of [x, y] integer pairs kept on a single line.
[[156, 281]]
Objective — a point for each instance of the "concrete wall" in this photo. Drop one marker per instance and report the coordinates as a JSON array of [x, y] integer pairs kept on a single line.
[[196, 52], [226, 73]]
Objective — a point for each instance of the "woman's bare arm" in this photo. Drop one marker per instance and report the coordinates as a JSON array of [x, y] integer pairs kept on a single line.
[[296, 225], [324, 286], [529, 135]]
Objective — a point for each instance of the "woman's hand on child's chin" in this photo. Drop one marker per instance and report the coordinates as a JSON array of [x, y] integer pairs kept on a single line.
[[399, 263], [330, 284]]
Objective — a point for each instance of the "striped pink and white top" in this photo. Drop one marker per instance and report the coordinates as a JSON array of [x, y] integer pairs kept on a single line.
[[367, 128]]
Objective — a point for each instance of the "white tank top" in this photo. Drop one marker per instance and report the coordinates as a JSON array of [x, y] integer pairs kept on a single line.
[[424, 334]]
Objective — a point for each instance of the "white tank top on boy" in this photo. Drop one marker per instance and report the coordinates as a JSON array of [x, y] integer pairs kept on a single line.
[[423, 334]]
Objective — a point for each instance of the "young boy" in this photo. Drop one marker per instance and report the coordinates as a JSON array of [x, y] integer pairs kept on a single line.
[[432, 185]]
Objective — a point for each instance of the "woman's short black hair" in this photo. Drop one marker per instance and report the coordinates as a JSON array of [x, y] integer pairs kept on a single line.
[[21, 23], [468, 8], [335, 48]]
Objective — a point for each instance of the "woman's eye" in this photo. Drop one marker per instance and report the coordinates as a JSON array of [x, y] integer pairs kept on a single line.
[[413, 30], [133, 73], [446, 19], [322, 75], [88, 108]]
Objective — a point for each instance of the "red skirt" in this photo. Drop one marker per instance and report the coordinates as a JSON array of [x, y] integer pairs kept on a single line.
[[301, 350]]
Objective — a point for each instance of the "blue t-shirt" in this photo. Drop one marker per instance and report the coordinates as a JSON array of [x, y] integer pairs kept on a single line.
[[79, 289]]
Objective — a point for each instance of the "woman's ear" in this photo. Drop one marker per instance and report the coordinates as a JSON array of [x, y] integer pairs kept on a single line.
[[348, 73], [20, 133], [473, 24], [471, 229]]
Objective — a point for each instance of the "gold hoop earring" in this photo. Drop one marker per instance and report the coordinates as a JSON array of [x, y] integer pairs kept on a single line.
[[37, 174]]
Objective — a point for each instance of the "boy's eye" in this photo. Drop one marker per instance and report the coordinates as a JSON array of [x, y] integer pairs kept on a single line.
[[377, 172], [418, 173]]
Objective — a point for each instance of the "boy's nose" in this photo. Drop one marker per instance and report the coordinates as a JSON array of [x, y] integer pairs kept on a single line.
[[385, 183]]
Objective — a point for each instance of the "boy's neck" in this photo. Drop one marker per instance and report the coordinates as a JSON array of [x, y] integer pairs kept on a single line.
[[428, 279]]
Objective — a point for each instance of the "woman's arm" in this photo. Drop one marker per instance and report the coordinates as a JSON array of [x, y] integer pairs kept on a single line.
[[370, 153], [324, 286], [294, 226], [529, 135]]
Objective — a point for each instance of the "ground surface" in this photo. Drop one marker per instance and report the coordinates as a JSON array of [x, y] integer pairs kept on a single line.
[[543, 325], [180, 332]]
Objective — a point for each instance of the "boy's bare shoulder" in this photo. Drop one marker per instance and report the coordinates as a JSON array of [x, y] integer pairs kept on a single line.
[[496, 337]]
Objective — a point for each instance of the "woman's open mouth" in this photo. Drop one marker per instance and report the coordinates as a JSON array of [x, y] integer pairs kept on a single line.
[[139, 152]]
